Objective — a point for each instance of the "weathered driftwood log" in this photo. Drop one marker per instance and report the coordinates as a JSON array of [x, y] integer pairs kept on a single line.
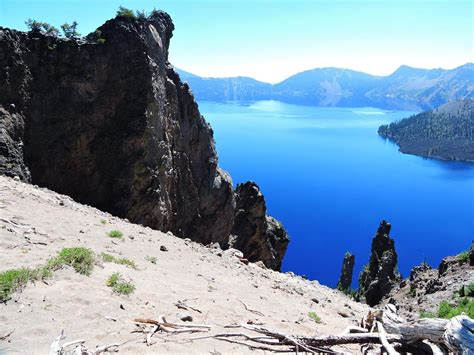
[[456, 334], [459, 335], [425, 336]]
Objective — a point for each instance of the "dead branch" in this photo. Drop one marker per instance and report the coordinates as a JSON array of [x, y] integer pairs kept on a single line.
[[111, 347], [383, 339], [6, 335], [249, 309], [181, 304]]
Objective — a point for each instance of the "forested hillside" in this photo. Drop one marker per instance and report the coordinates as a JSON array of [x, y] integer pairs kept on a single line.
[[445, 133]]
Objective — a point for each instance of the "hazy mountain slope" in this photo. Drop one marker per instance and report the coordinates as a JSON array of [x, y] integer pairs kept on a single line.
[[239, 88], [412, 88], [37, 223], [446, 132], [325, 87], [406, 89]]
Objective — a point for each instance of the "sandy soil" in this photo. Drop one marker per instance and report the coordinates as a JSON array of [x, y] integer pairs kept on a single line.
[[214, 283]]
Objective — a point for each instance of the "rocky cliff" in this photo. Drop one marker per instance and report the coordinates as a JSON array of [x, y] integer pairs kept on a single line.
[[380, 275], [427, 288], [257, 235], [345, 280], [106, 120]]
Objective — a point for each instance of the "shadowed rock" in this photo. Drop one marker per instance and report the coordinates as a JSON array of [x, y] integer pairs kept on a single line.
[[257, 235], [111, 124], [380, 275], [345, 280]]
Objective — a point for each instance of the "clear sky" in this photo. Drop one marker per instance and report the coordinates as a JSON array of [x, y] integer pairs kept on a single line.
[[273, 39]]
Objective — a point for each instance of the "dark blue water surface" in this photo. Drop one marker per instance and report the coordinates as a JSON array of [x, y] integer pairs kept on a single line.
[[330, 179]]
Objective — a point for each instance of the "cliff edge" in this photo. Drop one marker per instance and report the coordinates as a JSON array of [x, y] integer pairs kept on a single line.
[[106, 120]]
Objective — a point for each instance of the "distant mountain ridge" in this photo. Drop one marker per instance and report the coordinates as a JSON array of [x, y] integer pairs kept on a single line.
[[407, 88], [443, 133]]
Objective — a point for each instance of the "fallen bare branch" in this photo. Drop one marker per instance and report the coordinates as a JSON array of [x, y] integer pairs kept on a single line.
[[111, 347], [249, 309], [6, 335], [383, 339]]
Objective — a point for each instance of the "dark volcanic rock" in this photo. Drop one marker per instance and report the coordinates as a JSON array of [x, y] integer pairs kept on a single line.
[[471, 255], [428, 287], [11, 145], [345, 279], [380, 275], [112, 125], [257, 235]]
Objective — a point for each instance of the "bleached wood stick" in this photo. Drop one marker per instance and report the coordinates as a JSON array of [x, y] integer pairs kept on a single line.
[[383, 339]]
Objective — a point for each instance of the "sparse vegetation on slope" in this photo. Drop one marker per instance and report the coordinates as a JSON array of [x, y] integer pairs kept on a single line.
[[448, 310], [121, 261], [15, 279], [119, 285], [314, 317], [115, 234], [81, 259]]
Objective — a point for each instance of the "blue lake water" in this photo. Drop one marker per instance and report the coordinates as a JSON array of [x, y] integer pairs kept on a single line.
[[330, 179]]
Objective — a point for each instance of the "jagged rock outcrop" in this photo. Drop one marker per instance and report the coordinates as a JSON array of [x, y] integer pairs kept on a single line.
[[380, 275], [427, 287], [111, 124], [345, 280], [257, 235], [11, 144]]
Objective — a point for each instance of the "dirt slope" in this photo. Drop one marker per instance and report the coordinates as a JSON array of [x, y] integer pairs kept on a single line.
[[215, 283]]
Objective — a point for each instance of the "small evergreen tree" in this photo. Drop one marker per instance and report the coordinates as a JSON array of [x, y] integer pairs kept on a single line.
[[125, 13], [70, 30], [141, 15], [33, 25], [49, 29]]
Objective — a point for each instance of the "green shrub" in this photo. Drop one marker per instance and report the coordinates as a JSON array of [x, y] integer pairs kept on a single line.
[[15, 279], [80, 258], [115, 234], [113, 279], [107, 257], [470, 290], [121, 261], [127, 262], [125, 13], [314, 317], [463, 257], [447, 311], [103, 221], [426, 314], [119, 285], [124, 288]]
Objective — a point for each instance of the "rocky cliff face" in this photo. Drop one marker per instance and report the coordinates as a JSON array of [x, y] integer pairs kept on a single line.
[[345, 280], [257, 235], [380, 275], [111, 124], [427, 287]]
